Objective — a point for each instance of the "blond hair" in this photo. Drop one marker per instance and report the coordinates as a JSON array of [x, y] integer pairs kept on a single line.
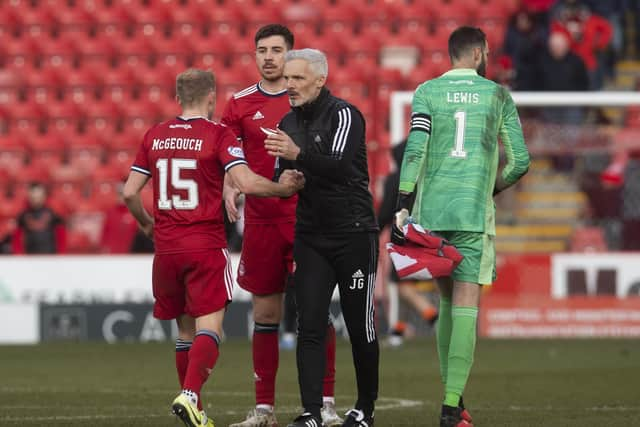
[[193, 85]]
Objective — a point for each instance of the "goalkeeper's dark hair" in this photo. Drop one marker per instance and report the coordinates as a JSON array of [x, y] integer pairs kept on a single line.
[[193, 85], [275, 30], [463, 39]]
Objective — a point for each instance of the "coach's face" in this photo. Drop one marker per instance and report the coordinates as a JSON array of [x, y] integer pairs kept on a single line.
[[270, 57], [303, 84]]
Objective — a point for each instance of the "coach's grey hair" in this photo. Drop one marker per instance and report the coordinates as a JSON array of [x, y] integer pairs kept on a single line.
[[314, 57]]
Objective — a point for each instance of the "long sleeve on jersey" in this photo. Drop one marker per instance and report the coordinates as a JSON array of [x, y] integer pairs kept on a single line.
[[347, 133], [513, 141], [416, 151]]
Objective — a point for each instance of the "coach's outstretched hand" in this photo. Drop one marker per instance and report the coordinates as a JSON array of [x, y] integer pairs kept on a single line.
[[281, 145], [292, 180]]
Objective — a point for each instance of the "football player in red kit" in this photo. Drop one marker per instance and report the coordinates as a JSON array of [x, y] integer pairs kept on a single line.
[[186, 158], [267, 249]]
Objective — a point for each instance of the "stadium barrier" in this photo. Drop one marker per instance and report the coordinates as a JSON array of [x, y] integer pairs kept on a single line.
[[44, 298], [103, 298], [401, 104]]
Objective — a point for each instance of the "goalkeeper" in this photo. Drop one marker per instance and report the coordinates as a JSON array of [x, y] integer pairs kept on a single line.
[[451, 164]]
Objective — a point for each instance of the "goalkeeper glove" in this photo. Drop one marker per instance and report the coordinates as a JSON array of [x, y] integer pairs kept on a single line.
[[397, 235]]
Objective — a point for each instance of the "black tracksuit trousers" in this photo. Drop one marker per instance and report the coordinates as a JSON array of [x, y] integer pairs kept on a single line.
[[350, 260]]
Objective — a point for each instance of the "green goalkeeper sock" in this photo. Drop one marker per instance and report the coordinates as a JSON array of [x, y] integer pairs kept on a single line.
[[463, 343], [443, 336]]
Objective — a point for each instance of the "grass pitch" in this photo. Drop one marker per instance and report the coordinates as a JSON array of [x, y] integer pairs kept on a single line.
[[514, 383]]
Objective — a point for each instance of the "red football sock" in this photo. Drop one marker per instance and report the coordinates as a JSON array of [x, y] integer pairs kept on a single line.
[[429, 313], [329, 380], [182, 359], [202, 358], [265, 362]]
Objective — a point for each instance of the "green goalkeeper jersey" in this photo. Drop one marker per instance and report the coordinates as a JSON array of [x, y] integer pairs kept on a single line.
[[451, 158]]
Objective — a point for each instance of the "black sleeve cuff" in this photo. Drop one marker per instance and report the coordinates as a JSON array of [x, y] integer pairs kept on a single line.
[[405, 201]]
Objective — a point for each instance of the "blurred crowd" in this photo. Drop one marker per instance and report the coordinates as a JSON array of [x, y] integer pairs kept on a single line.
[[568, 44], [549, 45]]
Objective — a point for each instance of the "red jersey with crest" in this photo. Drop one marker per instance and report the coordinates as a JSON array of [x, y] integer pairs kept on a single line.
[[245, 113], [186, 160]]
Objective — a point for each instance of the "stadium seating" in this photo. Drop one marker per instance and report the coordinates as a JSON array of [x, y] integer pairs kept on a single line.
[[82, 80]]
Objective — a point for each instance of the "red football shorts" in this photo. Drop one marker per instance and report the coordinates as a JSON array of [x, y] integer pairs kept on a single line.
[[267, 257], [195, 283]]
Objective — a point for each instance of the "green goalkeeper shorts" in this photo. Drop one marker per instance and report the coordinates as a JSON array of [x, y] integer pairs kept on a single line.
[[479, 263]]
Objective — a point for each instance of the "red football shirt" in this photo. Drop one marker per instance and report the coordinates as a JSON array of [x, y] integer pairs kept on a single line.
[[245, 113], [187, 160]]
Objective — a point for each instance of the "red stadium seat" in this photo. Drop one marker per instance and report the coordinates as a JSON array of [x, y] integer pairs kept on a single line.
[[212, 51], [414, 19], [134, 50], [175, 51], [189, 18], [116, 17], [45, 78], [632, 117], [109, 174], [74, 19], [120, 77], [63, 116], [104, 194], [32, 173], [379, 15], [152, 20], [223, 20], [488, 14], [13, 155], [256, 17], [35, 20], [99, 49], [63, 197], [9, 19], [122, 160], [33, 114], [84, 156], [588, 239], [18, 51], [340, 18]]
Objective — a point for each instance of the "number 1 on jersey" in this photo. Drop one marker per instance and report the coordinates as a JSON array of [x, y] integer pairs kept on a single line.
[[458, 149], [177, 183]]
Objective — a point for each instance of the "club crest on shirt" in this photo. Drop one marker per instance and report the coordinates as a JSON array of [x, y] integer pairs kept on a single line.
[[317, 138], [236, 152]]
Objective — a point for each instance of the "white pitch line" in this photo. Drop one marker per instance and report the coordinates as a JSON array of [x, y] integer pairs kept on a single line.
[[76, 418]]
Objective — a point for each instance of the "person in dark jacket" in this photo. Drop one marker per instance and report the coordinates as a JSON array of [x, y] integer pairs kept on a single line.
[[561, 70], [336, 239], [40, 229]]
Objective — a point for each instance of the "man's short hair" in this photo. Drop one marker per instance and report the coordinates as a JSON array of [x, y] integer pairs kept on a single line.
[[193, 85], [463, 39], [275, 30], [316, 59]]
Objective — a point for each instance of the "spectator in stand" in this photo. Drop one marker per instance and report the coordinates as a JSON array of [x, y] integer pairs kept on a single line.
[[523, 41], [119, 229], [590, 35], [40, 230], [559, 69], [613, 11], [539, 10]]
